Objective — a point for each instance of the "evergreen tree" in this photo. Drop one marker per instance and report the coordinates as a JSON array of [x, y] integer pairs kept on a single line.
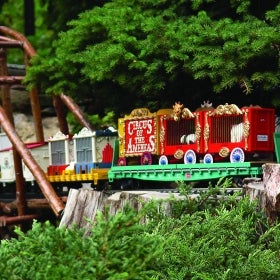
[[152, 52]]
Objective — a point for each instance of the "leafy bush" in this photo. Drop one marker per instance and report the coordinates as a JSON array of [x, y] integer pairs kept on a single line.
[[202, 238], [117, 249], [96, 121], [225, 238]]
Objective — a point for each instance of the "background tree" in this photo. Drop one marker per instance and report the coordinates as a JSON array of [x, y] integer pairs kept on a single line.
[[124, 54], [152, 53], [42, 20]]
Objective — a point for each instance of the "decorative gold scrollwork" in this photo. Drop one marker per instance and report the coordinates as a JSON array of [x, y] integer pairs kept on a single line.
[[246, 129], [162, 134], [140, 112], [206, 132], [197, 131], [227, 109]]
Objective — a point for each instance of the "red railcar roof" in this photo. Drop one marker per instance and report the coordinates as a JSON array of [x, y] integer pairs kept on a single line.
[[31, 145]]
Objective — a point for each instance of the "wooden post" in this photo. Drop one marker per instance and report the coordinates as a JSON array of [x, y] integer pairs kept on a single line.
[[61, 113], [254, 189], [7, 105], [36, 112], [34, 99], [81, 206], [74, 108], [31, 203]]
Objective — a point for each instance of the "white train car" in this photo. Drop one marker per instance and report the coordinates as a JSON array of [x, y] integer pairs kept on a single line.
[[39, 151], [85, 157]]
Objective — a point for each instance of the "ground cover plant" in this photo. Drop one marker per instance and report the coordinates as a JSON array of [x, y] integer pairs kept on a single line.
[[200, 238]]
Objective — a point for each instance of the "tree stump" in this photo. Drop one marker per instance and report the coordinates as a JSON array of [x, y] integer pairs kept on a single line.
[[83, 204], [254, 189], [81, 207], [271, 180]]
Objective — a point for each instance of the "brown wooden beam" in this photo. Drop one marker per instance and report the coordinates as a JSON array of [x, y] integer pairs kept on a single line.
[[61, 113], [74, 108], [29, 52], [27, 47], [7, 105], [36, 112], [45, 186], [11, 80], [32, 203], [5, 220], [11, 44]]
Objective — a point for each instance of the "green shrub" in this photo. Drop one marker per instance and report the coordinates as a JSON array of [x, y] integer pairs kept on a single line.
[[203, 238], [117, 249], [225, 243]]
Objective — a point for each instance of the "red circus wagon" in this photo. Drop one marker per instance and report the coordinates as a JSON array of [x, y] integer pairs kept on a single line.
[[167, 136], [137, 137], [207, 135], [180, 135], [238, 133]]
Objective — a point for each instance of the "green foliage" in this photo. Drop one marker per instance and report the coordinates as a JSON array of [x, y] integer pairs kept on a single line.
[[156, 50], [221, 245], [222, 240], [203, 238], [50, 17], [12, 14], [127, 54], [97, 121], [117, 249], [9, 11]]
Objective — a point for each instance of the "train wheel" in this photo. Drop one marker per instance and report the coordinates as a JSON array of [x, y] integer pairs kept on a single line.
[[208, 158], [190, 157], [163, 160], [237, 155]]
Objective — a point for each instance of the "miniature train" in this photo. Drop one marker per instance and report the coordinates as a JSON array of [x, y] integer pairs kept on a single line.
[[180, 135], [180, 145], [166, 146]]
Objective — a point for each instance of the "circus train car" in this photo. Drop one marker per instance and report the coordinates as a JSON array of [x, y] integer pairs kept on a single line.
[[137, 137], [177, 144], [158, 138], [180, 137], [239, 135], [39, 151], [82, 158]]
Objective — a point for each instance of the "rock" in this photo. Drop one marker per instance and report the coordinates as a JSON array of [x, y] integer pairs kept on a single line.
[[23, 118], [24, 126]]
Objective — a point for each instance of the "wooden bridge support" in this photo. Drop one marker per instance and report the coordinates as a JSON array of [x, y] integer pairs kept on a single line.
[[6, 103], [45, 186], [10, 38], [74, 108], [14, 39]]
